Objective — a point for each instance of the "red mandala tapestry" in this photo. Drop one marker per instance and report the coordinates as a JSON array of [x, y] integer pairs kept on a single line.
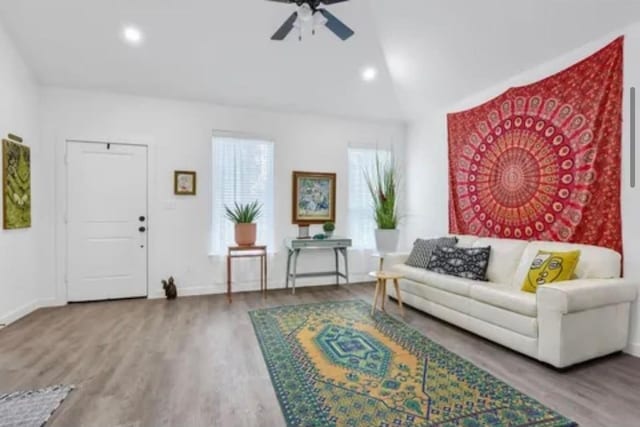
[[542, 162]]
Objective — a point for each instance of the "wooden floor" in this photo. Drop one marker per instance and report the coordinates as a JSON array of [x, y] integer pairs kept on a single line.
[[195, 362]]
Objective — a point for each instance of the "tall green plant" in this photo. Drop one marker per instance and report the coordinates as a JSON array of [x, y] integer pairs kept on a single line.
[[382, 182], [243, 213]]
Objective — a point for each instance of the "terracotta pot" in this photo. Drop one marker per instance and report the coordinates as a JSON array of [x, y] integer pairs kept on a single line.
[[245, 234]]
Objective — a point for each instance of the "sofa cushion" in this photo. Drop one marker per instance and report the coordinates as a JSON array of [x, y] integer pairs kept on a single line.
[[453, 284], [466, 240], [470, 263], [505, 257], [550, 267], [505, 297], [516, 322], [595, 262], [422, 250], [432, 294]]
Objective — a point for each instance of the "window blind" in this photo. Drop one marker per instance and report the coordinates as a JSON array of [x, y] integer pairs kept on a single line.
[[242, 172], [361, 222]]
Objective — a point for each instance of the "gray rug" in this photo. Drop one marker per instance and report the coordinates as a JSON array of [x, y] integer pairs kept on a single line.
[[31, 408]]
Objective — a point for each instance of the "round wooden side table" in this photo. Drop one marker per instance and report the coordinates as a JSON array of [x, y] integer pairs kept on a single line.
[[381, 288]]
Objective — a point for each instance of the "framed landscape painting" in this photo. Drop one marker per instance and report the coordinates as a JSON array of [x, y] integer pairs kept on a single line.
[[16, 185], [314, 197]]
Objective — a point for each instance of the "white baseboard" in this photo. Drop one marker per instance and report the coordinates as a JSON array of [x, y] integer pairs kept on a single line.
[[189, 291], [18, 313], [633, 349], [27, 309]]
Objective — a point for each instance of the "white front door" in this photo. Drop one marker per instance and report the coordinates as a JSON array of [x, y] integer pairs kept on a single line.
[[106, 221]]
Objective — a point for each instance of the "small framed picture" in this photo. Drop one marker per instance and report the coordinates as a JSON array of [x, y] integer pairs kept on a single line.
[[314, 197], [184, 183]]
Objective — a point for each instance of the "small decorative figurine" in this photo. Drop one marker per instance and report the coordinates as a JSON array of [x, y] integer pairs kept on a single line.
[[170, 289]]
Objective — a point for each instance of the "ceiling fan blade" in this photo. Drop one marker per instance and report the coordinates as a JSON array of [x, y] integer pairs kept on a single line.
[[286, 28], [336, 25], [283, 1], [327, 1]]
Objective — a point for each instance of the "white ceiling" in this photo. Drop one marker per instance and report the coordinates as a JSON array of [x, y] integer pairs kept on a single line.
[[441, 51], [210, 50], [438, 51]]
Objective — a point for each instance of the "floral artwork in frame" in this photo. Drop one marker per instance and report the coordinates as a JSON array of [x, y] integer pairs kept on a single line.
[[314, 197], [184, 183]]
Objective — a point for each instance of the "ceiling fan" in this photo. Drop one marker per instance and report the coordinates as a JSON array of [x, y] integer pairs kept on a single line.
[[310, 13]]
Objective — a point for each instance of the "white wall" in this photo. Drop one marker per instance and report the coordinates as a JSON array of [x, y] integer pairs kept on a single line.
[[24, 261], [427, 159], [179, 137]]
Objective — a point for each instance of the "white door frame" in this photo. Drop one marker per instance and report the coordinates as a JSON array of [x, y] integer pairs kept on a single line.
[[61, 202]]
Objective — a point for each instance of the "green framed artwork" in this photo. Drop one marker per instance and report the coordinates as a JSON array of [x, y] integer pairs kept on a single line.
[[16, 185]]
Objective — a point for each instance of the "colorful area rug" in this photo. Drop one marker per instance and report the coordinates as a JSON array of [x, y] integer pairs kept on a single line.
[[333, 364], [31, 408]]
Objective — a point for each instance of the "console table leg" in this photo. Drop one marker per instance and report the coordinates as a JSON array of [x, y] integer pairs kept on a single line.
[[295, 271], [346, 263], [266, 278], [286, 282], [335, 253]]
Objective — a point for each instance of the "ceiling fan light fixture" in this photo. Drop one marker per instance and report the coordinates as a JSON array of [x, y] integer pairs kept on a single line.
[[319, 21], [305, 13], [309, 14]]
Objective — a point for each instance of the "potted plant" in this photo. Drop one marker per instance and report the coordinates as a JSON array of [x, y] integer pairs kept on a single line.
[[328, 228], [383, 186], [244, 215]]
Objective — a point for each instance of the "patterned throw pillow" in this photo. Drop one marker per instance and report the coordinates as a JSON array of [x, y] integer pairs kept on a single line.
[[422, 249], [549, 267], [470, 263]]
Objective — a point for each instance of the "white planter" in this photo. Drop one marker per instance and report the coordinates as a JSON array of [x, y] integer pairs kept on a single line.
[[387, 240]]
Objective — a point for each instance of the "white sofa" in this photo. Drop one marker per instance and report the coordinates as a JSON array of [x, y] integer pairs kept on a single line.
[[563, 324]]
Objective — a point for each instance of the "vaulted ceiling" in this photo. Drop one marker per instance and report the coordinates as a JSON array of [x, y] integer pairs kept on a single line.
[[429, 53], [442, 51]]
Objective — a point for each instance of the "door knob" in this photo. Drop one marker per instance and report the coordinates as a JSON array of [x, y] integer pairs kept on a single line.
[[142, 229], [141, 218]]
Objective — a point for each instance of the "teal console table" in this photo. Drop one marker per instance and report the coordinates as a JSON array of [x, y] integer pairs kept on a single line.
[[295, 246]]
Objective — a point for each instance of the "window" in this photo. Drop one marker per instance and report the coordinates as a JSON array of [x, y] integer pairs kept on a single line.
[[361, 222], [242, 172]]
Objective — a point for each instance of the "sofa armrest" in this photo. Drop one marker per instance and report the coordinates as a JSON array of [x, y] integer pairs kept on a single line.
[[395, 258], [578, 295]]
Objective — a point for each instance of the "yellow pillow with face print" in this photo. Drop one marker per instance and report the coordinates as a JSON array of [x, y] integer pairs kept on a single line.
[[549, 267]]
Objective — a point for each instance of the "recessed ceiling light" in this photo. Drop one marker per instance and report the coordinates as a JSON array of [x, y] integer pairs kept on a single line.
[[132, 35], [369, 74]]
